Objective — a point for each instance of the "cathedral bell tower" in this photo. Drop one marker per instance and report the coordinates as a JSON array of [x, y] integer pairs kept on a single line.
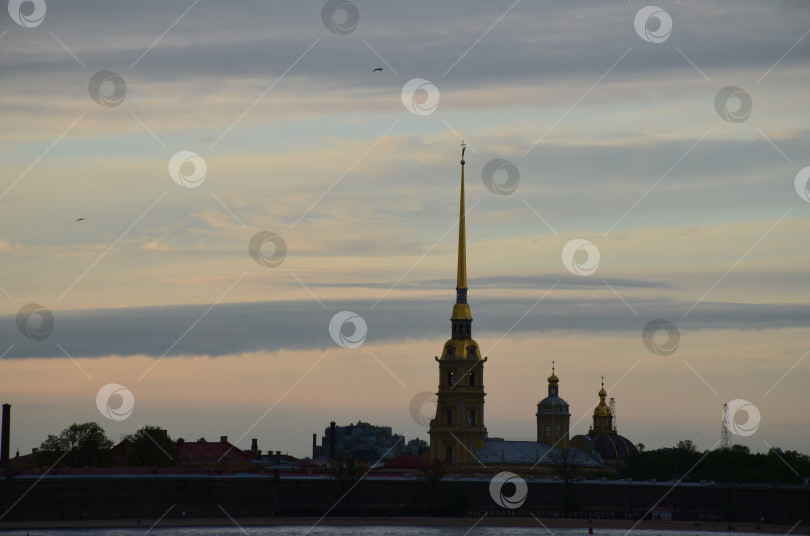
[[458, 428]]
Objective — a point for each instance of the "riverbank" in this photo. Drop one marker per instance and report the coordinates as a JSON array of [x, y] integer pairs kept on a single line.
[[413, 522]]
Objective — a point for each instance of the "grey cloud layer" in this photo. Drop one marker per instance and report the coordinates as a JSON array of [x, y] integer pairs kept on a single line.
[[273, 326], [536, 42]]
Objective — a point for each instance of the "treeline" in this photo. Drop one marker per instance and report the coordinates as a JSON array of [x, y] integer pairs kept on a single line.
[[734, 465], [87, 445]]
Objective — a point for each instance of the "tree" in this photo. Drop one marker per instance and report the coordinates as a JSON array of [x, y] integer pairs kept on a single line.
[[348, 473], [687, 446], [151, 445], [568, 466], [427, 490], [78, 445]]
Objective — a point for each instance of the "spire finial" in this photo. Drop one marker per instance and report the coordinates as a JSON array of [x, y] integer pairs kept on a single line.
[[552, 366]]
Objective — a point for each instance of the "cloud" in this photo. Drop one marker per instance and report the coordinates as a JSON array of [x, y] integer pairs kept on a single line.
[[235, 328], [511, 282]]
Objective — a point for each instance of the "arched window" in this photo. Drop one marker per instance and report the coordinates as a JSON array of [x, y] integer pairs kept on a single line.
[[448, 454], [472, 417], [472, 377], [449, 416], [449, 378]]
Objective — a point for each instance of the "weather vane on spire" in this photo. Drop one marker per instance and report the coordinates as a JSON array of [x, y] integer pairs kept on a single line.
[[463, 148]]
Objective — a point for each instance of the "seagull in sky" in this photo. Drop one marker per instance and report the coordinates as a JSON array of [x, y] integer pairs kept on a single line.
[[377, 69]]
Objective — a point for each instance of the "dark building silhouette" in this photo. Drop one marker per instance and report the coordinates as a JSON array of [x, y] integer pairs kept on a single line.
[[5, 437], [364, 440]]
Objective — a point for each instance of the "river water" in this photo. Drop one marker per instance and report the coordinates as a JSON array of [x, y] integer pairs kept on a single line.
[[361, 531]]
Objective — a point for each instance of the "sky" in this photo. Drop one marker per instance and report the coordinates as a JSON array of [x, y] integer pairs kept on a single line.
[[193, 193]]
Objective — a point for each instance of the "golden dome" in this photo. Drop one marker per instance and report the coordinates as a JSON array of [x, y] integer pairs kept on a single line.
[[602, 409], [553, 379]]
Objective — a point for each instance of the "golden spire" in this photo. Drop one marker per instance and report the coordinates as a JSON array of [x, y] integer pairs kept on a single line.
[[461, 279], [461, 310]]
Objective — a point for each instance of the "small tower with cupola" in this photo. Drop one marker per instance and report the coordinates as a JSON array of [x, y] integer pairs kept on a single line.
[[553, 416]]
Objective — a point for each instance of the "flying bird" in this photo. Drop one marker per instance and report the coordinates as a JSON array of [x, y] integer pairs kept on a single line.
[[80, 219], [377, 69]]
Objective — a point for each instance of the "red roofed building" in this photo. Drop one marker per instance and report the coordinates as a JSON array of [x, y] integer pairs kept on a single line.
[[221, 456], [406, 463]]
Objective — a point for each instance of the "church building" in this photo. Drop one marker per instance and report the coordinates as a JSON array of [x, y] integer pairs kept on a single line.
[[458, 436]]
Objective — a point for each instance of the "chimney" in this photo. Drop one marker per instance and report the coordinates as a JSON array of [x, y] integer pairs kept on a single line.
[[4, 436], [332, 440], [314, 444], [254, 447], [223, 439]]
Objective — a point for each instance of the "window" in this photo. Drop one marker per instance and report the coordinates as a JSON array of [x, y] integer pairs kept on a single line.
[[548, 430], [472, 377], [559, 430], [472, 417], [449, 416], [449, 378], [448, 454]]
